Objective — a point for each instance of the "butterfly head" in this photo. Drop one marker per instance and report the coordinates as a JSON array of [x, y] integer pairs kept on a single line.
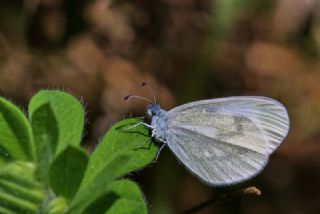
[[153, 110]]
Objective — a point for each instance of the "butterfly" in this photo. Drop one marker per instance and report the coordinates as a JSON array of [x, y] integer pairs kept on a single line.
[[222, 141]]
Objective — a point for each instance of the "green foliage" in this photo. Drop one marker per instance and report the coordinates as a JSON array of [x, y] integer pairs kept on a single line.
[[19, 191], [130, 201], [69, 116], [45, 132], [123, 197], [66, 172], [120, 139], [44, 170], [99, 185], [16, 137]]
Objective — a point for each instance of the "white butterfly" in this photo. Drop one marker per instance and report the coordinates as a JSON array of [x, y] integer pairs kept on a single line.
[[222, 141]]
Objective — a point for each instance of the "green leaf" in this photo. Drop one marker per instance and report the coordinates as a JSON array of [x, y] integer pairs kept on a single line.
[[120, 139], [56, 206], [66, 172], [123, 196], [124, 206], [19, 194], [99, 185], [130, 198], [69, 115], [16, 141], [45, 132]]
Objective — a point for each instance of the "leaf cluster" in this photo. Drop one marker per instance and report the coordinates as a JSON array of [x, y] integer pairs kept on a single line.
[[43, 168]]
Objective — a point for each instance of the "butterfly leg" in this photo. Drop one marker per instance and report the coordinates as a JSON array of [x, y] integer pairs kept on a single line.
[[138, 124], [160, 149]]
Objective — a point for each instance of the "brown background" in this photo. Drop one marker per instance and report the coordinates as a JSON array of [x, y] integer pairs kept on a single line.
[[186, 50]]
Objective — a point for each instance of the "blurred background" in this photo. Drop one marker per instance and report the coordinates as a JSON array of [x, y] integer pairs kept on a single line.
[[186, 50]]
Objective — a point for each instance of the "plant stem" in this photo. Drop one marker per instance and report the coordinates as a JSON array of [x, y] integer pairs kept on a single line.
[[223, 198]]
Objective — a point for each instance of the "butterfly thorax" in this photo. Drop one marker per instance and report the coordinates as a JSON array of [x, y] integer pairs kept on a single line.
[[158, 118]]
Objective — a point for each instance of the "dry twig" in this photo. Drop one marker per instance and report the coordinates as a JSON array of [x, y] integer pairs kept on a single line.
[[224, 198]]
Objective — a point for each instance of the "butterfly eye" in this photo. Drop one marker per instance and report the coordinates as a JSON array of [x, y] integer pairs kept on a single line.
[[149, 113]]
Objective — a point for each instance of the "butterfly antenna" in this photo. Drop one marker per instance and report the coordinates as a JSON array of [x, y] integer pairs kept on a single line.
[[137, 97], [142, 84]]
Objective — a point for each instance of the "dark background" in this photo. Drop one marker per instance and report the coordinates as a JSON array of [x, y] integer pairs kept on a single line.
[[185, 50]]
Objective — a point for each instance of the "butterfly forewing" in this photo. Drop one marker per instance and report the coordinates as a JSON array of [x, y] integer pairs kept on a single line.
[[270, 116], [227, 140]]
